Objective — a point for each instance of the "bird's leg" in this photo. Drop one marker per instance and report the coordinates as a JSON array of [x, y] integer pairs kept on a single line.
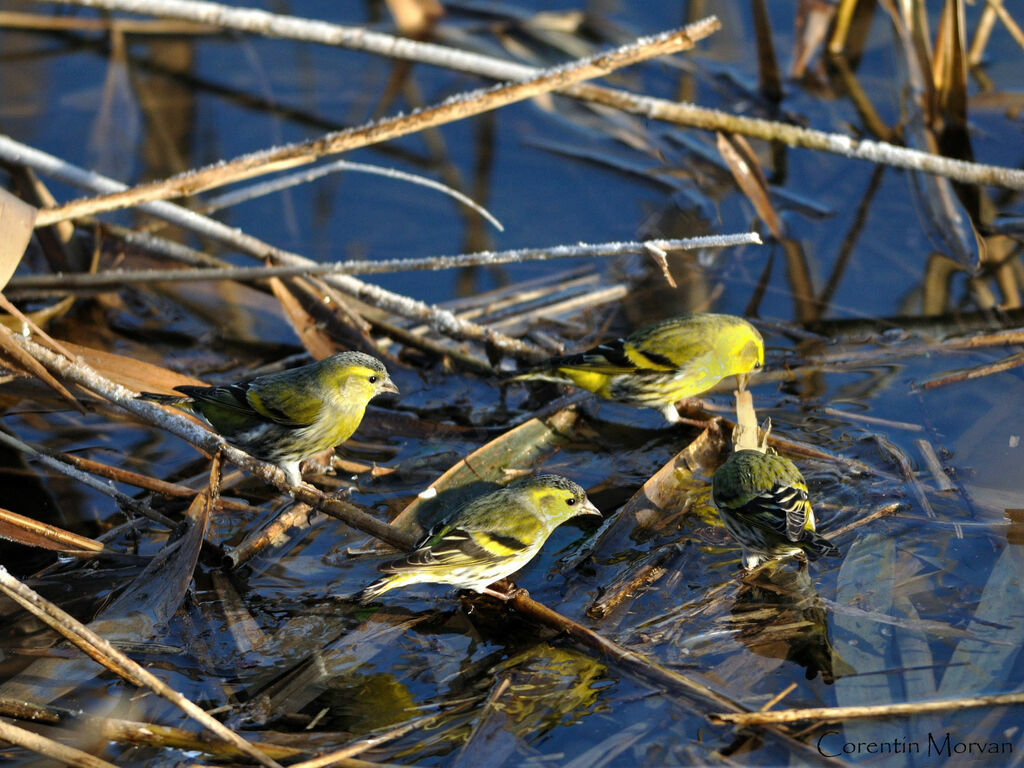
[[671, 413], [502, 596], [292, 475]]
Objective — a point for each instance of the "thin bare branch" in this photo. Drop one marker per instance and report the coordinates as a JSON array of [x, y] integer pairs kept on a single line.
[[118, 278], [441, 320], [292, 179], [108, 489]]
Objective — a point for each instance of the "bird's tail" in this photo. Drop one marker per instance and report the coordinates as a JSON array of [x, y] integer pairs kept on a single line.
[[540, 373], [384, 584], [816, 545], [179, 401]]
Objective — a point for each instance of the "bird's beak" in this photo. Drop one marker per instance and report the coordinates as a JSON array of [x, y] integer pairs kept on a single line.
[[588, 508], [741, 380], [389, 386]]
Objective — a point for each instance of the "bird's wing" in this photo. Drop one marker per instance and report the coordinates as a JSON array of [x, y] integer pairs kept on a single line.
[[287, 406], [457, 548], [657, 351], [609, 358], [481, 536], [782, 509], [669, 347], [244, 400]]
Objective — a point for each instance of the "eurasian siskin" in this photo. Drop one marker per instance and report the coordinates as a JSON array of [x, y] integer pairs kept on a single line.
[[659, 365], [491, 537], [762, 499], [286, 417]]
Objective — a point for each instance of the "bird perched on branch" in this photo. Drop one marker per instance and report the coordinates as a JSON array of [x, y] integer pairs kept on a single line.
[[491, 537], [762, 500], [286, 417], [659, 365]]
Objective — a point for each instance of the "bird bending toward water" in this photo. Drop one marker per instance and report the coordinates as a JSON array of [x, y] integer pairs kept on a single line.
[[288, 416], [763, 502], [657, 366]]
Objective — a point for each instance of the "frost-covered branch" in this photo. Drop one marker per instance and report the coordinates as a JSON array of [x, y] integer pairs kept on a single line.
[[118, 278]]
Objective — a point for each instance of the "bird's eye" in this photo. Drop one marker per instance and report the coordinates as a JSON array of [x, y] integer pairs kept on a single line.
[[757, 365], [373, 379], [570, 502]]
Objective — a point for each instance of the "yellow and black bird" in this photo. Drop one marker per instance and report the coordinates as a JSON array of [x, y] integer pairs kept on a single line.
[[657, 366], [763, 501], [487, 539], [288, 416]]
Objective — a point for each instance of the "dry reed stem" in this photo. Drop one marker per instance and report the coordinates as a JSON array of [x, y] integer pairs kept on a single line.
[[882, 511], [9, 350], [340, 756], [690, 115], [36, 21], [456, 108], [137, 733], [127, 477], [882, 710], [1007, 363], [58, 536]]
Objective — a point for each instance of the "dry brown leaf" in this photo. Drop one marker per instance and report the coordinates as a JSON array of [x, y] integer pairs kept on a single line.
[[949, 68], [128, 372], [316, 342], [17, 219], [813, 19], [42, 316]]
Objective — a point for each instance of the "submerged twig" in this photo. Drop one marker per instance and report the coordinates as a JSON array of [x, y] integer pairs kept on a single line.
[[108, 489], [338, 756], [101, 651], [138, 733], [1007, 363], [50, 748], [886, 509]]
